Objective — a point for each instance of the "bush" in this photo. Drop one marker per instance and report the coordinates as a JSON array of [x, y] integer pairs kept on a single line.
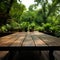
[[24, 26], [57, 32], [3, 29], [53, 29], [8, 27], [32, 26], [46, 27], [14, 26], [39, 28]]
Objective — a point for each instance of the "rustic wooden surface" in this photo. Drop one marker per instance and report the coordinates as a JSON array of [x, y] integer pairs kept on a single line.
[[30, 39]]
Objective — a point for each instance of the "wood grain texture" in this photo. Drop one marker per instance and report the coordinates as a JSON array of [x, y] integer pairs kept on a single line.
[[19, 40], [49, 40], [34, 39], [28, 40]]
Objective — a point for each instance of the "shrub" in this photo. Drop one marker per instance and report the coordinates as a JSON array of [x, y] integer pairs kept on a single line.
[[46, 27], [14, 26], [3, 29], [8, 27], [24, 26], [57, 32], [32, 26], [39, 28], [53, 29]]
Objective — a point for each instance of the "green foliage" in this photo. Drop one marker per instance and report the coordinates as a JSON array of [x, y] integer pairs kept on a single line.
[[32, 26], [32, 7], [3, 29], [39, 28], [45, 19], [56, 31], [8, 27], [24, 26], [4, 5], [53, 29], [16, 10], [14, 25], [47, 27], [28, 16]]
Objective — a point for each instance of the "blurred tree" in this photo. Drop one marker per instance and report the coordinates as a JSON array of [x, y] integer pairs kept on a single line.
[[48, 8], [5, 6], [17, 10]]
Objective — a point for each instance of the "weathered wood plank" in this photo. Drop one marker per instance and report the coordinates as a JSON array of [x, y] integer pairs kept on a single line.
[[8, 37], [28, 40], [49, 40], [7, 41], [4, 39], [37, 41], [19, 40]]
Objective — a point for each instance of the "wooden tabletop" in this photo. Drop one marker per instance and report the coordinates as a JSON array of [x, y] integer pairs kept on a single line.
[[29, 39]]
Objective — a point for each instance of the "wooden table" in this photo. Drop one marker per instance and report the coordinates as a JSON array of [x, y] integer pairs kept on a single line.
[[30, 41]]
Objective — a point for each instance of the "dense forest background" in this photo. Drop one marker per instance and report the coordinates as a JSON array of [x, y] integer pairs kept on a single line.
[[15, 17]]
